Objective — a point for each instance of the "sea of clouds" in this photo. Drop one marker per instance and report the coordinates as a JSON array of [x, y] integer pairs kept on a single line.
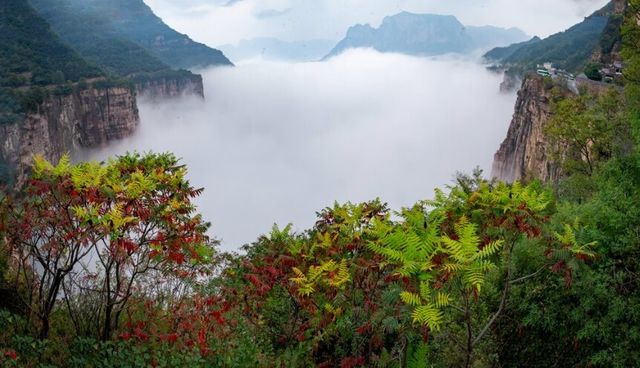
[[276, 142]]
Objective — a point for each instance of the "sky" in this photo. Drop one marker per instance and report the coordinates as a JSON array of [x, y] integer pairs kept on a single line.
[[276, 142], [218, 22]]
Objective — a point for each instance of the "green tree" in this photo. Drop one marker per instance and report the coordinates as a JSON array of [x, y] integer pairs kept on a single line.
[[592, 71], [450, 248], [587, 130]]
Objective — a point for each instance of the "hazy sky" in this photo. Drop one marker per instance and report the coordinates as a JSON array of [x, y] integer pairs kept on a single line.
[[217, 22], [276, 142]]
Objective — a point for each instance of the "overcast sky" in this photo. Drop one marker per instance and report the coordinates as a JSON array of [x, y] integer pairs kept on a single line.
[[217, 22]]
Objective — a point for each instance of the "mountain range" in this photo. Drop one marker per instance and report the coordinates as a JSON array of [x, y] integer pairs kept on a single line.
[[598, 34], [268, 48], [426, 35], [124, 36]]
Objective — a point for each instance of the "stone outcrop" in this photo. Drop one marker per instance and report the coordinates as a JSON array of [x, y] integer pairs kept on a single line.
[[90, 117], [169, 87], [523, 154]]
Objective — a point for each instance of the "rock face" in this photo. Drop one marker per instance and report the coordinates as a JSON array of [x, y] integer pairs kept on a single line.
[[523, 154], [170, 87], [89, 118]]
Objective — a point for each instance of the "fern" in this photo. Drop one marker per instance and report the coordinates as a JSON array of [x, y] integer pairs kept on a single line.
[[410, 298], [428, 315], [418, 356]]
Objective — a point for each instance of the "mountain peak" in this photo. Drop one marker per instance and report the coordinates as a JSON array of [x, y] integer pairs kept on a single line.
[[426, 35]]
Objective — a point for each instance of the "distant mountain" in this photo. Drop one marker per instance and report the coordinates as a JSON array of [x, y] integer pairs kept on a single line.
[[501, 53], [426, 35], [599, 33], [125, 36], [275, 49]]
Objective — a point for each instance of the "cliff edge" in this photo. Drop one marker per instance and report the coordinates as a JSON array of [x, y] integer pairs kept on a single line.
[[523, 153], [90, 117]]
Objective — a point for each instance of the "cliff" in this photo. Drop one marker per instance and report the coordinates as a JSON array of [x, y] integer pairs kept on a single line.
[[168, 86], [523, 154], [90, 117]]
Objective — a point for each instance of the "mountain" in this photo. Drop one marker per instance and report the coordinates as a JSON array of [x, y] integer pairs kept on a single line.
[[276, 49], [51, 100], [98, 39], [572, 49], [32, 55], [425, 35], [116, 32], [501, 53]]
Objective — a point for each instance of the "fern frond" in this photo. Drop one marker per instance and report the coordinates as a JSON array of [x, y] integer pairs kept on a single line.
[[410, 298], [442, 300], [428, 315]]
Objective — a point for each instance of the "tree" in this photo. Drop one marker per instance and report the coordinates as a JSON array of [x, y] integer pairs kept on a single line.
[[133, 213], [587, 130], [592, 71], [447, 248], [631, 56]]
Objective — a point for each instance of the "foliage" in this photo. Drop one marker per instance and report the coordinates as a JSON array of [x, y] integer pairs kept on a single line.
[[592, 71], [587, 130], [32, 55], [449, 252], [133, 213], [631, 55], [322, 291], [595, 323], [586, 320]]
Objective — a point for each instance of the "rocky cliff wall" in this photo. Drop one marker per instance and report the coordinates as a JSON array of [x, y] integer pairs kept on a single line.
[[523, 154], [169, 87], [88, 118]]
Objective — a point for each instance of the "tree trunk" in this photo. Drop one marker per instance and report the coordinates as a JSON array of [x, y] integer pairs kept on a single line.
[[44, 329], [106, 330]]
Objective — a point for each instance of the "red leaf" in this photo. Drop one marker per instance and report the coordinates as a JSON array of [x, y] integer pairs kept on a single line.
[[176, 257], [351, 362], [11, 354]]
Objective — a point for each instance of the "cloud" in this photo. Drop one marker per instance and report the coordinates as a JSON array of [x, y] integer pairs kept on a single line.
[[271, 13], [231, 2], [276, 142]]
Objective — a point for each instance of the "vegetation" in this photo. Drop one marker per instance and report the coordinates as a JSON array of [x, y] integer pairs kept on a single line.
[[569, 50], [96, 39], [357, 289], [124, 36], [32, 56]]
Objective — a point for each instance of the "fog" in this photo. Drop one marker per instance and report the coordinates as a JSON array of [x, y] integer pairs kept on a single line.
[[276, 142]]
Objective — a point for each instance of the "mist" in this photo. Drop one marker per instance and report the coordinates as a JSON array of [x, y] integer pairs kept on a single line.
[[276, 142]]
